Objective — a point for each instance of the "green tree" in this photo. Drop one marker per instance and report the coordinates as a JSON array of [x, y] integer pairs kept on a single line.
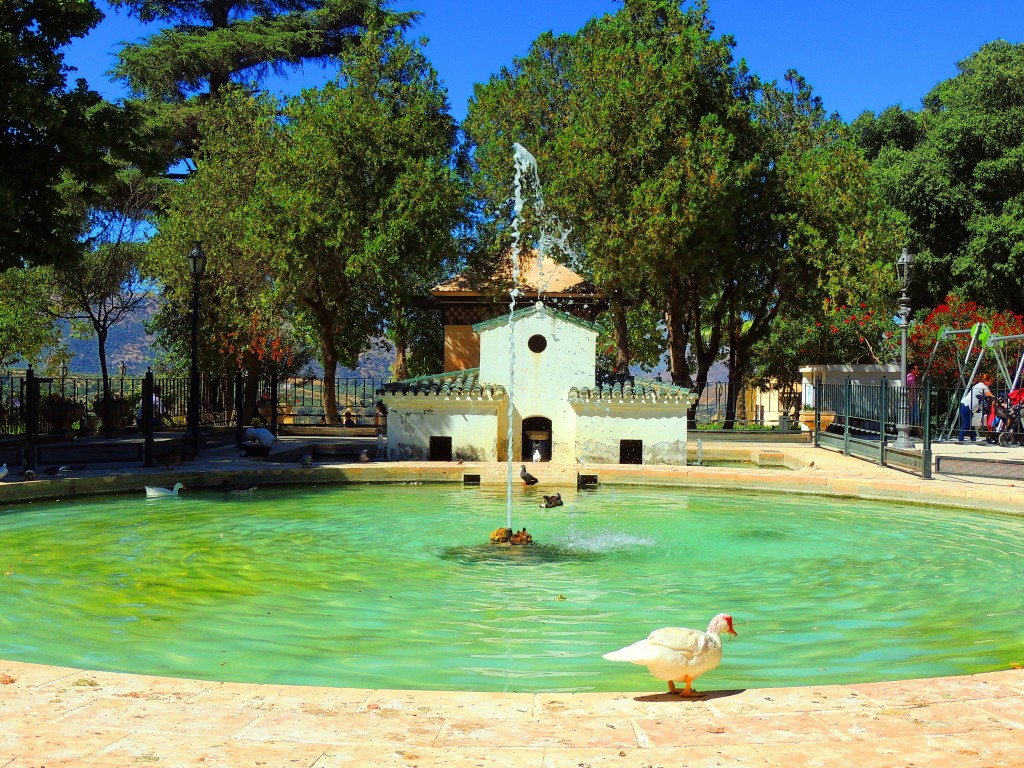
[[26, 326], [247, 322], [211, 45], [323, 216], [691, 185], [104, 286], [955, 170], [361, 200], [51, 132]]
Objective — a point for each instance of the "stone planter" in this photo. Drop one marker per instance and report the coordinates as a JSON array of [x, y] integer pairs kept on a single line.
[[284, 413], [826, 419], [60, 419], [113, 413]]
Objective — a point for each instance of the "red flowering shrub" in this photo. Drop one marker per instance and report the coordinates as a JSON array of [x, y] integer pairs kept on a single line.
[[848, 333], [957, 314]]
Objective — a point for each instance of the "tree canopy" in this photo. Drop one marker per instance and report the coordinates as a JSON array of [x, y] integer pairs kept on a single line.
[[955, 170], [335, 207], [50, 132], [208, 46], [715, 199]]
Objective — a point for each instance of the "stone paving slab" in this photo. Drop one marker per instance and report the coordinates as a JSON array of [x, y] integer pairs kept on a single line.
[[52, 716]]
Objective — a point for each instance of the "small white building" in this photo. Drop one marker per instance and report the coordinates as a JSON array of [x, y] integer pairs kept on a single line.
[[538, 373]]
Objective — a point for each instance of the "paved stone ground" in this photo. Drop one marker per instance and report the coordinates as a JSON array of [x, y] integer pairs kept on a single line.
[[51, 716], [54, 716]]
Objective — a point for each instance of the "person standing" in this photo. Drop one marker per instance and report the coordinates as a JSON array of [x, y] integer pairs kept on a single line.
[[913, 377], [970, 402], [159, 411]]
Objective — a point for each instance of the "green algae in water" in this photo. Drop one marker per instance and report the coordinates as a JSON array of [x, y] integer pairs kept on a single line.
[[395, 587]]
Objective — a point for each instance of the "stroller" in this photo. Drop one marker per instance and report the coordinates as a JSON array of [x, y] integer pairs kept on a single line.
[[1003, 417]]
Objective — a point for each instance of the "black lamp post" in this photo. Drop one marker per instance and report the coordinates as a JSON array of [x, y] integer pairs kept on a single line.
[[196, 265], [905, 272]]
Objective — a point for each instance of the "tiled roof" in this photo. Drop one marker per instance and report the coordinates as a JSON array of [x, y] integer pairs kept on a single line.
[[533, 309], [624, 387], [464, 385], [536, 275]]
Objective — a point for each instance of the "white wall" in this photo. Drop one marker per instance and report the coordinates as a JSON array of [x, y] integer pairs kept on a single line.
[[837, 374], [470, 424], [662, 431], [542, 379]]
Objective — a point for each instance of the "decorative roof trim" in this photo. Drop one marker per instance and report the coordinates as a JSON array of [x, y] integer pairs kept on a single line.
[[458, 385], [625, 389], [536, 309]]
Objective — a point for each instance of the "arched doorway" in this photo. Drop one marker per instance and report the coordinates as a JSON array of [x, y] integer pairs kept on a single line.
[[536, 437]]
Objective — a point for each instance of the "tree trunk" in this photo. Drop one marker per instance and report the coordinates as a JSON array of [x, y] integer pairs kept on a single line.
[[400, 370], [621, 330], [678, 337], [732, 388], [330, 394]]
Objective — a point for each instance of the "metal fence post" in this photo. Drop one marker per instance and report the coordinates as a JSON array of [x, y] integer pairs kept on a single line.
[[817, 409], [30, 403], [239, 402], [146, 409], [273, 401], [883, 418], [926, 439], [847, 392]]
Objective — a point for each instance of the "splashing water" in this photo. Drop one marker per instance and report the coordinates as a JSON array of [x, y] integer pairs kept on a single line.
[[526, 173], [524, 161]]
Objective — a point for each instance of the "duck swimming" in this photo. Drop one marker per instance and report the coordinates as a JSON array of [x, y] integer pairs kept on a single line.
[[230, 487], [551, 501], [156, 492]]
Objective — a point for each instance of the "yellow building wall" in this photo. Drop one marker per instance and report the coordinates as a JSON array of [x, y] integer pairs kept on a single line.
[[461, 348]]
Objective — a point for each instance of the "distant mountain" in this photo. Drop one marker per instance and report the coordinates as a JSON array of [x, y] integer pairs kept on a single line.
[[129, 342]]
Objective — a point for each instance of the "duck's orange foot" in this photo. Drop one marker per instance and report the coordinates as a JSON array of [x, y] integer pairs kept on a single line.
[[688, 692]]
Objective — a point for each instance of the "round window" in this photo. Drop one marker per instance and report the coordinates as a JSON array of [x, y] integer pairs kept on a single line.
[[537, 343]]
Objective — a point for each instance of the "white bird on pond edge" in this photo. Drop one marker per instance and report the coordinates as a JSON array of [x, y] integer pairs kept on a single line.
[[678, 654], [3, 471], [156, 492], [536, 455]]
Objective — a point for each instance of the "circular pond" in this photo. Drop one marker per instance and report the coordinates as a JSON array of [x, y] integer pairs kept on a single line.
[[393, 586]]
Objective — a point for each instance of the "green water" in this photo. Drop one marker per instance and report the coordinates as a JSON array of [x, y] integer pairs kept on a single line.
[[392, 586]]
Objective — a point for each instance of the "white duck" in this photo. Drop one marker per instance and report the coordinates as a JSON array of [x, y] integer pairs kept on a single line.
[[156, 492], [679, 654]]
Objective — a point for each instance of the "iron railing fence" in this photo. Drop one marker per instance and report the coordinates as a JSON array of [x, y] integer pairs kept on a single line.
[[301, 401], [298, 401], [76, 403], [754, 407], [863, 420]]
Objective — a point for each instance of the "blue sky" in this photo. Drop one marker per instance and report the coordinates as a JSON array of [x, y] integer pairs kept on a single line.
[[857, 55]]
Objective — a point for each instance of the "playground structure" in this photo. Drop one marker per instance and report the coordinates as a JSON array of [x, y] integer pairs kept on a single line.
[[982, 341]]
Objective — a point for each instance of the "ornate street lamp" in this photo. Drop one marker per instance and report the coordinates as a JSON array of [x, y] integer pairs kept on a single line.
[[196, 265], [905, 272]]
